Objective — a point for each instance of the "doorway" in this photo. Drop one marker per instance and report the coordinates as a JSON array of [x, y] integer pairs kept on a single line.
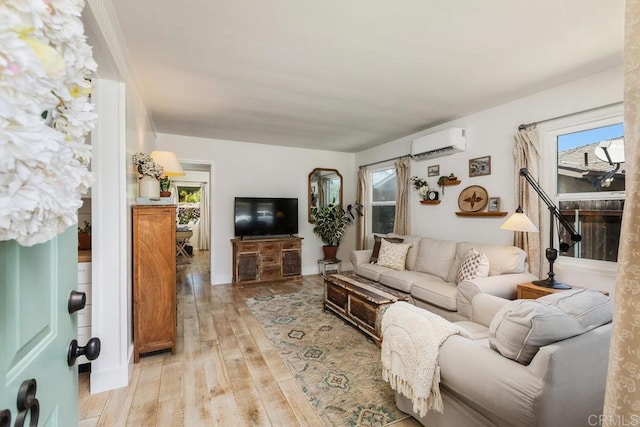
[[192, 194]]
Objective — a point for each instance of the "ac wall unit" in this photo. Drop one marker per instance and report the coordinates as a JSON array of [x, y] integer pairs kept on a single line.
[[439, 144]]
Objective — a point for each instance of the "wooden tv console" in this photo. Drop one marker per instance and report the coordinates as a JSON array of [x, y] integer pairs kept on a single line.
[[267, 259]]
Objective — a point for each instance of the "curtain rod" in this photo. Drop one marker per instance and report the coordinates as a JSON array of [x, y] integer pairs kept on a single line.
[[384, 161], [588, 110]]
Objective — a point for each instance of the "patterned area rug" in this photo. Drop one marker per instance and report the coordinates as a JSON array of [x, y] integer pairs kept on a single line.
[[338, 368]]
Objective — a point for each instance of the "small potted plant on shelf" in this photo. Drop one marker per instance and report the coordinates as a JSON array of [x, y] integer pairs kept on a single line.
[[165, 187], [84, 236], [331, 223], [421, 185]]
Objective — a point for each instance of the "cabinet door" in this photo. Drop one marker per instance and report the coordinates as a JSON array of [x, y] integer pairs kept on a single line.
[[247, 267], [291, 263], [154, 287]]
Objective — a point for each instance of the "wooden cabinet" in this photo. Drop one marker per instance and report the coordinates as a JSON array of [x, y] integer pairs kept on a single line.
[[267, 260], [154, 279]]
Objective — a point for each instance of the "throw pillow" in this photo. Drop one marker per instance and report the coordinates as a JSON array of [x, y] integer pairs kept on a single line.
[[376, 246], [521, 327], [393, 255], [473, 265]]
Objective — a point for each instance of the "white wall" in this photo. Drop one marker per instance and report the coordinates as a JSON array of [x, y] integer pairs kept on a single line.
[[248, 169], [123, 127], [491, 132]]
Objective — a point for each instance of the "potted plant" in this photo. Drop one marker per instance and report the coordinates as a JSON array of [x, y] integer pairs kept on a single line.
[[331, 223], [421, 185], [165, 187], [84, 236]]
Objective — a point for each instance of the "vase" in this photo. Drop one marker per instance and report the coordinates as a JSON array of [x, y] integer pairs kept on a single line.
[[148, 186]]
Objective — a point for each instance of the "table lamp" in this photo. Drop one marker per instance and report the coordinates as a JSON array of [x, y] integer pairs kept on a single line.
[[169, 163]]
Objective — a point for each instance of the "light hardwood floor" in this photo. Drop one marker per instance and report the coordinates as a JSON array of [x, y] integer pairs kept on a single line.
[[225, 371]]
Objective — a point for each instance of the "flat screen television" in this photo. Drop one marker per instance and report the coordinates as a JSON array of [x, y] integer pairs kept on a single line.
[[265, 216]]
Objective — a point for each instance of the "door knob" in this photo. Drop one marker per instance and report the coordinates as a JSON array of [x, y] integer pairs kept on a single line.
[[28, 404], [91, 350], [77, 301], [5, 418]]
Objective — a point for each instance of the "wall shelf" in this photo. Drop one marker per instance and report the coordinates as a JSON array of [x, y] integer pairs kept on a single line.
[[481, 213], [448, 182], [430, 202]]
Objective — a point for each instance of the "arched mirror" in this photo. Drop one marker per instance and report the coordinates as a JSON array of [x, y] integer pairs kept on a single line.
[[325, 186]]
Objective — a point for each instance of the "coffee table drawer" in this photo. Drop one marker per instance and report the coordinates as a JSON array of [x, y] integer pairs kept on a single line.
[[362, 311]]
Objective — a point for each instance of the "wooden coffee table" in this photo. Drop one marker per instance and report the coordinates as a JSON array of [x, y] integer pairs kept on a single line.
[[359, 301]]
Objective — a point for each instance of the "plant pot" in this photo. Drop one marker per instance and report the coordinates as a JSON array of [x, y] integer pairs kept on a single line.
[[165, 194], [84, 241], [330, 252], [148, 187]]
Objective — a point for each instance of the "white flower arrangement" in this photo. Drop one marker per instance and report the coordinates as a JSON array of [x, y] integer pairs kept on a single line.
[[45, 114], [146, 165]]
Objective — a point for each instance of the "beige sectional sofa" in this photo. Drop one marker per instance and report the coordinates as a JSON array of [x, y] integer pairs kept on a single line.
[[431, 268], [485, 382]]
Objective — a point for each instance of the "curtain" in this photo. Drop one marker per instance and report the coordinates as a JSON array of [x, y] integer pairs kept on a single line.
[[526, 154], [203, 233], [401, 223], [322, 192], [363, 198], [622, 398]]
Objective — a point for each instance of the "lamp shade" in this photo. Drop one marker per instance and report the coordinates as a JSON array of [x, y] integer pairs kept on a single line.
[[519, 222], [169, 162]]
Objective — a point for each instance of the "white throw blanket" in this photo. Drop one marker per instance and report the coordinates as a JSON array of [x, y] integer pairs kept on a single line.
[[411, 340]]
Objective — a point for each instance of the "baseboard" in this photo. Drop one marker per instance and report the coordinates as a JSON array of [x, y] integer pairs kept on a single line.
[[110, 379]]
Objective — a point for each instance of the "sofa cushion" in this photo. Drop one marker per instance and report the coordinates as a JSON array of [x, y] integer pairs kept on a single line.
[[590, 308], [473, 265], [393, 255], [521, 327], [400, 280], [435, 291], [412, 255], [376, 246], [435, 256], [502, 259], [371, 271]]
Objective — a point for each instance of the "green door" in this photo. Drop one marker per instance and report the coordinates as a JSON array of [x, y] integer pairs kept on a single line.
[[36, 329]]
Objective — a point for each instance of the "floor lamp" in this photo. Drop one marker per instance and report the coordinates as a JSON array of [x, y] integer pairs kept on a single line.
[[550, 253]]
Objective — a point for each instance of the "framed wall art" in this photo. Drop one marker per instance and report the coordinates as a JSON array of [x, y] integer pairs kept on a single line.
[[494, 204], [433, 170], [480, 166]]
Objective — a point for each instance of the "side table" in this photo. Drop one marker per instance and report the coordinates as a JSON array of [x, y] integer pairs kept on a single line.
[[329, 266], [531, 291]]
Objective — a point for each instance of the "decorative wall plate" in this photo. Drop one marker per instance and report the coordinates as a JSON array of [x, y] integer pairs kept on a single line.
[[473, 199]]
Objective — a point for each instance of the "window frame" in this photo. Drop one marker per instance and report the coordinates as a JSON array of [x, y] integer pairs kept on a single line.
[[548, 133], [371, 203]]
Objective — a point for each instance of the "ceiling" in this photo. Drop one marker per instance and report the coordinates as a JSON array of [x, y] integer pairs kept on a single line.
[[348, 75]]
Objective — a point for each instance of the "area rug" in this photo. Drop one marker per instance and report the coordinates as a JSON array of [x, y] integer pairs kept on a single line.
[[338, 368]]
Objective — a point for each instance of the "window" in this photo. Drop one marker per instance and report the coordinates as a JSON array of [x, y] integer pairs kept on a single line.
[[590, 187], [383, 200], [189, 205]]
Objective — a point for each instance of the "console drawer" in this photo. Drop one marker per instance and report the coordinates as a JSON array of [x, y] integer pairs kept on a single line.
[[294, 244], [270, 260], [270, 273], [270, 248]]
